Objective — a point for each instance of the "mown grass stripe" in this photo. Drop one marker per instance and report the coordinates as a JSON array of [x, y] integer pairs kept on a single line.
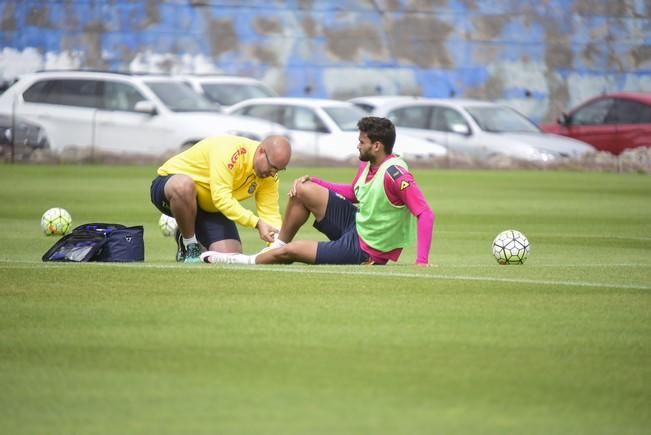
[[348, 271]]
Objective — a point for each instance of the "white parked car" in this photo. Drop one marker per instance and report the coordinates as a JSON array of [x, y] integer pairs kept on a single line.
[[370, 104], [328, 128], [477, 128], [121, 112], [228, 90]]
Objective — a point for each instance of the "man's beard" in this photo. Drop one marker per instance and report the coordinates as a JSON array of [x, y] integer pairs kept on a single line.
[[364, 157]]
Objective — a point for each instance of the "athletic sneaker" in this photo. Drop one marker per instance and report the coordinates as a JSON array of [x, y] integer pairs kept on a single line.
[[180, 247], [214, 257], [192, 253]]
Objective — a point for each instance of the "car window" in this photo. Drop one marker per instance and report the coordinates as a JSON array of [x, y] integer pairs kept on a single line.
[[443, 118], [302, 118], [593, 113], [645, 114], [69, 92], [501, 119], [272, 113], [38, 92], [121, 96], [228, 94], [366, 107], [346, 118], [179, 97], [630, 112], [412, 117]]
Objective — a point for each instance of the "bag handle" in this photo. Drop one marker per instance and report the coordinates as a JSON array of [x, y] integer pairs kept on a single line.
[[99, 227]]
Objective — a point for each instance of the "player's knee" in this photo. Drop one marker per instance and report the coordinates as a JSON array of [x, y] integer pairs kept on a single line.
[[304, 191], [182, 186]]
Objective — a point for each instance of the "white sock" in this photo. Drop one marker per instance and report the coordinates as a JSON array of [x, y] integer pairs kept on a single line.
[[192, 239], [277, 243], [243, 259]]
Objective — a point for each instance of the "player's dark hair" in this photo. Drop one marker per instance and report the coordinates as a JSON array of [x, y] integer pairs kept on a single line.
[[379, 130]]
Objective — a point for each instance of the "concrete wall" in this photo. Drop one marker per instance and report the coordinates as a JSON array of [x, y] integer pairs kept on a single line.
[[540, 57]]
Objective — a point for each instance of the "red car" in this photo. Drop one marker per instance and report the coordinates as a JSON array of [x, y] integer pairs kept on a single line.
[[609, 122]]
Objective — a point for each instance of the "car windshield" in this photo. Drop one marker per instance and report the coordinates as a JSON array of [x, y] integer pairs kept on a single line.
[[178, 97], [500, 119], [345, 117], [228, 94]]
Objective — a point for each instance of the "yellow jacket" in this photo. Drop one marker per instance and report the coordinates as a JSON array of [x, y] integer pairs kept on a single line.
[[222, 169]]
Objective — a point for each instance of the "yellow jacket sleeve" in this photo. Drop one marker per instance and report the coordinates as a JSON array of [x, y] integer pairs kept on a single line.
[[266, 201], [222, 181]]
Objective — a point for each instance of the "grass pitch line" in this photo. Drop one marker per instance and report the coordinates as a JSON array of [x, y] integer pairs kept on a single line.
[[443, 277], [339, 270], [574, 235]]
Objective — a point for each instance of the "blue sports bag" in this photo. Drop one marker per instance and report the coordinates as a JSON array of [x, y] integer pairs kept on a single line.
[[99, 242]]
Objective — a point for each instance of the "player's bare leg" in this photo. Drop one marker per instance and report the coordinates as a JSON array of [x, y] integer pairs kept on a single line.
[[308, 198], [181, 193], [303, 251]]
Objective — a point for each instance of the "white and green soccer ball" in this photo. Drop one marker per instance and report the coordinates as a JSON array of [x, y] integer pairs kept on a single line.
[[56, 222], [167, 225], [511, 247]]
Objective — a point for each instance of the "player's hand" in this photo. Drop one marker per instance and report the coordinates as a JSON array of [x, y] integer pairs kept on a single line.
[[300, 180], [266, 231]]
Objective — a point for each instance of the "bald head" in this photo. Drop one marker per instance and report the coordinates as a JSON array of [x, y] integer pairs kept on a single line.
[[278, 150], [273, 155]]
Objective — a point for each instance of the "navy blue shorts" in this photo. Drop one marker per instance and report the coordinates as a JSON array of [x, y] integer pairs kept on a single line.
[[209, 227], [338, 225]]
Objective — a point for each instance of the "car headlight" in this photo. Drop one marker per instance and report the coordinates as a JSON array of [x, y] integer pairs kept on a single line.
[[541, 156]]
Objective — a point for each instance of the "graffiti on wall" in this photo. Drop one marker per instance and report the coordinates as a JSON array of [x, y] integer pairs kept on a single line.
[[540, 58]]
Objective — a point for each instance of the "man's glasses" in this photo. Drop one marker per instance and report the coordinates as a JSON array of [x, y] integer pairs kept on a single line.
[[272, 168]]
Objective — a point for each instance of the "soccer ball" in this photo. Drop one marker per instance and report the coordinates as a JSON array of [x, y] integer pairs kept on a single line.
[[511, 247], [56, 222], [167, 225]]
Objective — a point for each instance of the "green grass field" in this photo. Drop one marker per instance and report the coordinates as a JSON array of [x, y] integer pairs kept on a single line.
[[560, 345]]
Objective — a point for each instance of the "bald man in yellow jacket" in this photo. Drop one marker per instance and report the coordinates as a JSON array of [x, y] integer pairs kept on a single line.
[[202, 188]]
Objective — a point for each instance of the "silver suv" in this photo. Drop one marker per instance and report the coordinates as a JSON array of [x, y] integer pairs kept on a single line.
[[144, 114]]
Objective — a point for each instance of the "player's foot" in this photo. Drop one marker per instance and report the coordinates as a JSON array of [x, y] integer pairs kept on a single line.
[[214, 257], [192, 253], [180, 247]]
